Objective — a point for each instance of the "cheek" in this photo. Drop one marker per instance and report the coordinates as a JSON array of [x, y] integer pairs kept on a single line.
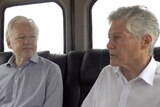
[[35, 44], [130, 54], [124, 56], [17, 45], [12, 44]]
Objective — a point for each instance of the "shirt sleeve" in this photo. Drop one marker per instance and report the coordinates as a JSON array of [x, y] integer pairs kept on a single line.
[[90, 100], [54, 93]]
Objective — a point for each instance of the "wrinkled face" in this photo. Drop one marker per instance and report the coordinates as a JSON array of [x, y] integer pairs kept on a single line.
[[23, 41], [123, 46]]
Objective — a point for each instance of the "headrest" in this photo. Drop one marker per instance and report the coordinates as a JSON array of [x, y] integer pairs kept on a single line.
[[93, 62], [4, 57], [44, 54], [157, 53]]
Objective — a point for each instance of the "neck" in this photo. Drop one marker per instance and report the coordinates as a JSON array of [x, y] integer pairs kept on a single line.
[[20, 61], [131, 71]]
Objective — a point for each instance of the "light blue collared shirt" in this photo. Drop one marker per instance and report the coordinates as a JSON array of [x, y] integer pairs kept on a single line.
[[37, 83]]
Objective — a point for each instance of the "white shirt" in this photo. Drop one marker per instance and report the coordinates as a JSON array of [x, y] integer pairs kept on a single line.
[[111, 89]]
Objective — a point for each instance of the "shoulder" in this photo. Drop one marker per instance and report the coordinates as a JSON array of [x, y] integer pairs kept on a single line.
[[108, 72], [47, 62], [47, 66], [3, 66], [109, 69], [50, 68]]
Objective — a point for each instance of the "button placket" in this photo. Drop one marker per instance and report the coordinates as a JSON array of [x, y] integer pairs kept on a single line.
[[15, 85]]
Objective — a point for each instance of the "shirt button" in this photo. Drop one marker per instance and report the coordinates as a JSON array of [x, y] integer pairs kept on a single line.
[[13, 96], [117, 75], [19, 69]]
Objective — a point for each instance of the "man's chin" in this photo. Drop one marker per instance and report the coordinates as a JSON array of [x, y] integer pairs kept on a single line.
[[28, 54], [114, 64]]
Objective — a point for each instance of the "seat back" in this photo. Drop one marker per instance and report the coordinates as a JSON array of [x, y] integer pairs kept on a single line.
[[83, 70], [61, 60]]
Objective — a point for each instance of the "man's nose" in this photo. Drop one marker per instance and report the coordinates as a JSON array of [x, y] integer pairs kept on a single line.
[[27, 40], [110, 44]]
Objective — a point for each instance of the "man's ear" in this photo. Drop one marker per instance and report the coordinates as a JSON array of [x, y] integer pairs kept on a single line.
[[8, 43], [146, 40]]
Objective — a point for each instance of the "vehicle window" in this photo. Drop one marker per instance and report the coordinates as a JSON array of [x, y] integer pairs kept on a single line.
[[49, 19], [100, 12]]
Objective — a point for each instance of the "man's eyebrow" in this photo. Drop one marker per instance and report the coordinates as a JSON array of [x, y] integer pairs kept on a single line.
[[116, 33]]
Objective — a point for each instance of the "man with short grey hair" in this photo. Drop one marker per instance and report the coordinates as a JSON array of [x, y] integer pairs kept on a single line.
[[133, 77]]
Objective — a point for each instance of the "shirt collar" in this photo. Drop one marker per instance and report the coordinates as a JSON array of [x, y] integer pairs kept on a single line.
[[148, 73], [120, 74], [34, 58]]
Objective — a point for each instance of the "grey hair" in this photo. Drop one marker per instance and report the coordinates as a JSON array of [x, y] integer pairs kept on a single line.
[[139, 21], [17, 20]]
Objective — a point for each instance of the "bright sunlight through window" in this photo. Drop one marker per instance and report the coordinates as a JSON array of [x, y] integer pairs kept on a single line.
[[49, 19], [101, 10]]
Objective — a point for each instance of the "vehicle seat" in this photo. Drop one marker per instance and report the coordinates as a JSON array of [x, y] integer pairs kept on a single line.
[[83, 70]]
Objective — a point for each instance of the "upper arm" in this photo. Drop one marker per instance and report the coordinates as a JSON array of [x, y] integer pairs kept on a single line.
[[54, 88]]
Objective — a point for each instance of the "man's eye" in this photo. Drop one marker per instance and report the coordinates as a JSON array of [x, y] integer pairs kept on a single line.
[[21, 37], [117, 37], [32, 36]]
